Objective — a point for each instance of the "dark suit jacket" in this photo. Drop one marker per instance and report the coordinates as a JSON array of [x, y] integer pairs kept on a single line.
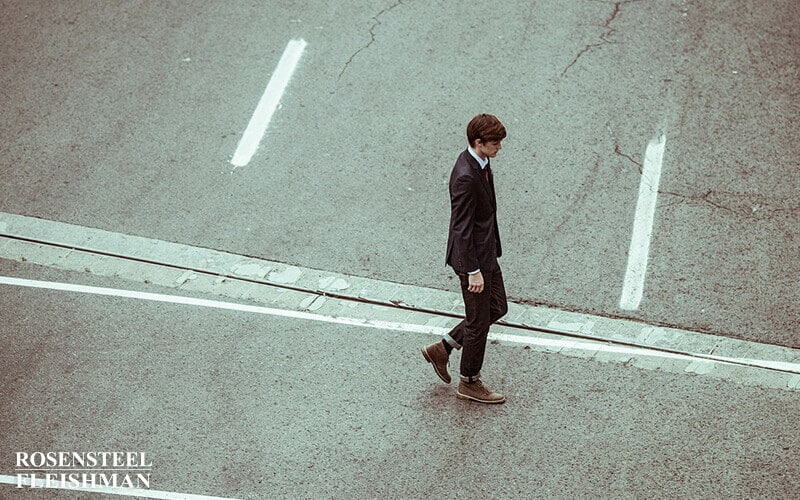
[[474, 240]]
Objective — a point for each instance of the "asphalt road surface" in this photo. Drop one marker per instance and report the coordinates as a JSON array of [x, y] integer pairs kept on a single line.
[[240, 405], [125, 116]]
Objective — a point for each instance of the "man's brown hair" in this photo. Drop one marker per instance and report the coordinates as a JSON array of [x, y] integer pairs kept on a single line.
[[485, 127]]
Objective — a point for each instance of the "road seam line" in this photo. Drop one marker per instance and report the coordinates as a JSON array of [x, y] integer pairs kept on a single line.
[[31, 237]]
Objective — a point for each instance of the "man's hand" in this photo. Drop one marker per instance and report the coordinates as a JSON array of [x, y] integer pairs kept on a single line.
[[475, 282]]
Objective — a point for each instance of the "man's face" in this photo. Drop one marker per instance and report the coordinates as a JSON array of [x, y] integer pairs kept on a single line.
[[487, 149]]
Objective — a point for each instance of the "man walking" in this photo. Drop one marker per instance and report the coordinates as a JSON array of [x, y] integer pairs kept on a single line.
[[473, 246]]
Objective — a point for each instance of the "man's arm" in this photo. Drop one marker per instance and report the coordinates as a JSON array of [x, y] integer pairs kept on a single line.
[[463, 208]]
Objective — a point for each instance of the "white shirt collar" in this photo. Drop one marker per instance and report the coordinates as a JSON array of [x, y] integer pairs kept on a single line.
[[481, 161]]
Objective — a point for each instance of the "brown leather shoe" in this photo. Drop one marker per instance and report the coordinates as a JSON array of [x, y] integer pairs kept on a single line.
[[436, 355], [476, 391]]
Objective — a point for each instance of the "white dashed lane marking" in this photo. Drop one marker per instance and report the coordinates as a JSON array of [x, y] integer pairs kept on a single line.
[[633, 287], [269, 101]]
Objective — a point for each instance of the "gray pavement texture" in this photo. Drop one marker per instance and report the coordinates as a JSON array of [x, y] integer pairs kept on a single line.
[[238, 405], [123, 116]]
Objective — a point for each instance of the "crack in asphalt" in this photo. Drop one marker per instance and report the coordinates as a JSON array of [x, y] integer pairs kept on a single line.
[[582, 194], [604, 37], [751, 206], [377, 23], [618, 152]]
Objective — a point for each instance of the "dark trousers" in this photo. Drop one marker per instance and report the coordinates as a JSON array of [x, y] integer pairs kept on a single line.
[[482, 309]]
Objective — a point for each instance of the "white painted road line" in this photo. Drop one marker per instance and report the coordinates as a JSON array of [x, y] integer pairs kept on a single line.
[[269, 101], [177, 299], [633, 286], [395, 326], [109, 490]]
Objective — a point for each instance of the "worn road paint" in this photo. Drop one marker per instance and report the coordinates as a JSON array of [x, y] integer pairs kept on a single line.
[[633, 286]]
